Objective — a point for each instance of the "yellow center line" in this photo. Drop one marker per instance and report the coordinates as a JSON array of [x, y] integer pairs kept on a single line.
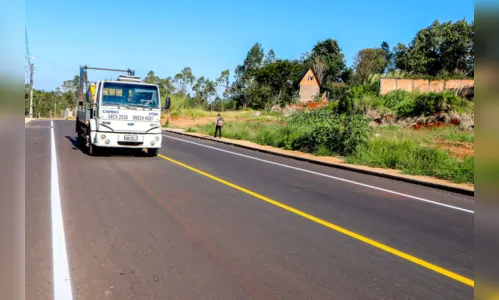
[[337, 228]]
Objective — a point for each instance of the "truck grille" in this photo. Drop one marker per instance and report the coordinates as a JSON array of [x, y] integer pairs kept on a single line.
[[130, 143]]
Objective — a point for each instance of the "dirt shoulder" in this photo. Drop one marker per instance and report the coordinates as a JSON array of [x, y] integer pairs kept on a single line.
[[338, 162], [185, 122]]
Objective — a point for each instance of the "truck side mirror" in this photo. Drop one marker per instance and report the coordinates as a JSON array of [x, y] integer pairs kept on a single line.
[[167, 103]]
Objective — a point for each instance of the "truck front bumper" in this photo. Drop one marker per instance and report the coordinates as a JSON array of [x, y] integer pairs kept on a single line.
[[120, 140]]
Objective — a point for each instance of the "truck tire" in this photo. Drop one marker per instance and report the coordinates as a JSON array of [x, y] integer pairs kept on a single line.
[[81, 141], [152, 152], [93, 150]]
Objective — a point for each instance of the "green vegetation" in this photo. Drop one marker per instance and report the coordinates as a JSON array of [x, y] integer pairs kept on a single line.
[[401, 103], [53, 103], [324, 132], [321, 132], [417, 152], [413, 158], [424, 137]]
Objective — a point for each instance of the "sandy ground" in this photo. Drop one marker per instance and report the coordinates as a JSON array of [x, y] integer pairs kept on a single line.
[[458, 149]]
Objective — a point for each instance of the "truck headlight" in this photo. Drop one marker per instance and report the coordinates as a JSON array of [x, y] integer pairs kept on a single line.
[[103, 136], [156, 138]]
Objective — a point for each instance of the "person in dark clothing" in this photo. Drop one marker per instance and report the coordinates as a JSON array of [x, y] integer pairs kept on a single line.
[[218, 128]]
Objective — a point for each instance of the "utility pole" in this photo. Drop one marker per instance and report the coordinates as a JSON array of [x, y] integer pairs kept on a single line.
[[31, 71]]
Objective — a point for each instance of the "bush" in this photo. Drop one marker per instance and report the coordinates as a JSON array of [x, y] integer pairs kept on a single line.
[[319, 131], [395, 98], [431, 103], [346, 103], [428, 104], [333, 106], [406, 108], [370, 102], [327, 132], [336, 90], [355, 134], [456, 103]]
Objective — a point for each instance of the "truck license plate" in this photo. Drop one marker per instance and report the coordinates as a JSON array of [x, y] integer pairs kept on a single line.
[[131, 137]]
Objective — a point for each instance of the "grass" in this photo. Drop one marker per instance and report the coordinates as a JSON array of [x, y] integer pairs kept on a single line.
[[425, 136], [254, 131], [413, 158], [195, 113], [407, 150], [414, 152]]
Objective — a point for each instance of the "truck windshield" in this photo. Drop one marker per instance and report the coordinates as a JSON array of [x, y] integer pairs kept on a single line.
[[114, 93]]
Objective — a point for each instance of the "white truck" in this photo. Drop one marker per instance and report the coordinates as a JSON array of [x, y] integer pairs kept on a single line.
[[122, 113]]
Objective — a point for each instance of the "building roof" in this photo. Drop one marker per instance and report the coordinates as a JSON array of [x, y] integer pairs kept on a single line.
[[305, 73]]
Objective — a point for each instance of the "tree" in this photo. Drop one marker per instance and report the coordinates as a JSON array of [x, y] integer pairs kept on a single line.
[[269, 58], [165, 85], [210, 90], [223, 81], [370, 61], [71, 91], [151, 78], [254, 59], [347, 76], [440, 49], [330, 52], [184, 79], [388, 54], [72, 85], [319, 67], [245, 76], [279, 81], [199, 89]]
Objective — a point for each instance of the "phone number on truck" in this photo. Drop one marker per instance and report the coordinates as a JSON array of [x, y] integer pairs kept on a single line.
[[117, 117], [126, 117], [143, 118]]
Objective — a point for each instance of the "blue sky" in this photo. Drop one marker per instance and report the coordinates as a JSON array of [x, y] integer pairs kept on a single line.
[[211, 36]]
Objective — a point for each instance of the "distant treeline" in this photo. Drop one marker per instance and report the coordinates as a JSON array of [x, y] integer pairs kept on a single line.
[[442, 50]]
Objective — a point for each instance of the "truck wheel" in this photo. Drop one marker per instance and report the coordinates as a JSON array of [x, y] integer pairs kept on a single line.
[[151, 152], [81, 141], [93, 150]]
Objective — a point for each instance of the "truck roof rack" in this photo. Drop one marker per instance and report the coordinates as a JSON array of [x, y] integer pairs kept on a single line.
[[129, 78]]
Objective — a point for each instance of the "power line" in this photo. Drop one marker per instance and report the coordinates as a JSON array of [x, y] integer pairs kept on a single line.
[[53, 63]]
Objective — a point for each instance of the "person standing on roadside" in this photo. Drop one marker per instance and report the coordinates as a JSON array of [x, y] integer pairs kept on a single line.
[[218, 128]]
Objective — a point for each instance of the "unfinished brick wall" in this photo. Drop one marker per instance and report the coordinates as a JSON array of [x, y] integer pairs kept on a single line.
[[423, 85]]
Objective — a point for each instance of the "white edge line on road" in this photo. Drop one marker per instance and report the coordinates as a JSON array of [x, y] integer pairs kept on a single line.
[[60, 267], [328, 176]]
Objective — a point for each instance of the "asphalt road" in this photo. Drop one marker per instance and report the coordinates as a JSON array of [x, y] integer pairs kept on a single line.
[[151, 228]]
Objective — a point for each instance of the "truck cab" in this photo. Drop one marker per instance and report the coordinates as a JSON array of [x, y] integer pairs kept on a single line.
[[122, 113]]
